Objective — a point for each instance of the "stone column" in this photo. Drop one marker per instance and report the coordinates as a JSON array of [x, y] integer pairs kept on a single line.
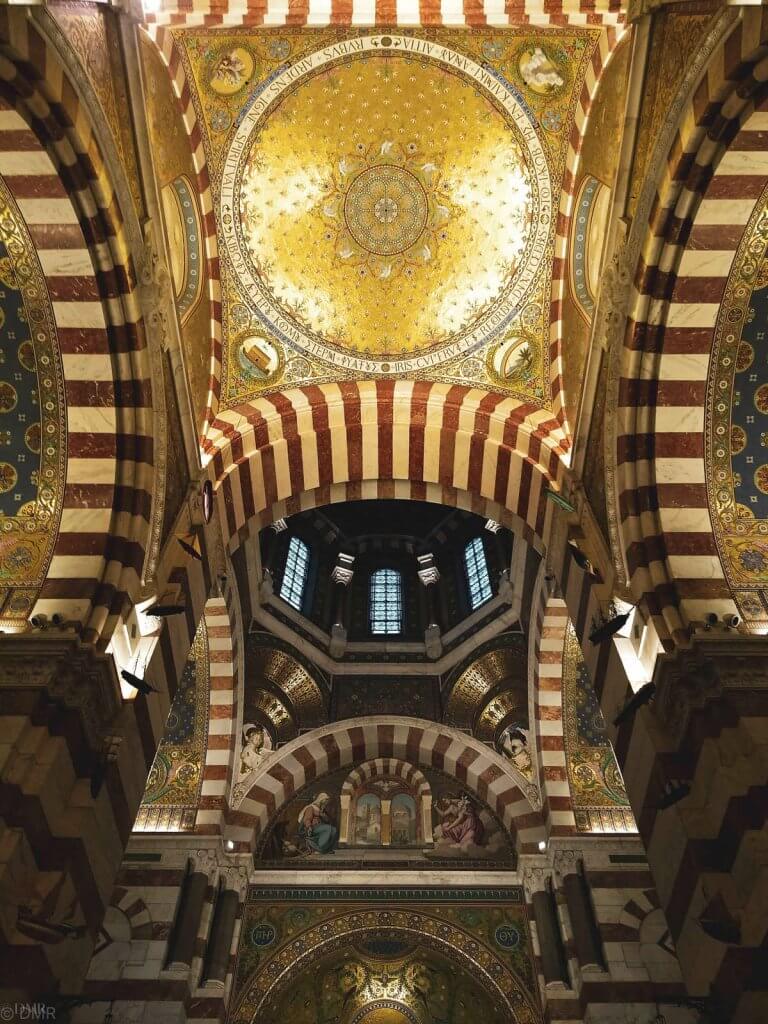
[[586, 934], [342, 576], [426, 819], [386, 822], [429, 576], [344, 823], [223, 927], [181, 944], [554, 963]]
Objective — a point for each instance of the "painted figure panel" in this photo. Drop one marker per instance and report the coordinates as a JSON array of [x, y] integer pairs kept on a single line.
[[386, 820]]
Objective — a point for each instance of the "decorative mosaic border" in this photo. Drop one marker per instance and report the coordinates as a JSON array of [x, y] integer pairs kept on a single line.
[[193, 254], [328, 926], [386, 894], [735, 536], [589, 189], [27, 542]]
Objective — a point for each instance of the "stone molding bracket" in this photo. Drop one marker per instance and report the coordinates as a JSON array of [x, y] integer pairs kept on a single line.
[[734, 667], [70, 673]]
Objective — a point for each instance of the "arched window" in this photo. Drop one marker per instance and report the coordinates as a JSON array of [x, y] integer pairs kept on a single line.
[[295, 575], [477, 573], [386, 602]]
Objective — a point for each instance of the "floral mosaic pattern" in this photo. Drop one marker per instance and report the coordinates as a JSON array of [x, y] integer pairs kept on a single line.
[[32, 419], [173, 786], [286, 932], [600, 802]]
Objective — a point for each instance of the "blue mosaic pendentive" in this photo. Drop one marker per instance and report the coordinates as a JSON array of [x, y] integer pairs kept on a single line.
[[20, 424], [749, 411]]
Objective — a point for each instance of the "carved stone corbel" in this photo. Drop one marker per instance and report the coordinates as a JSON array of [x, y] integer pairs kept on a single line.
[[69, 673], [733, 667]]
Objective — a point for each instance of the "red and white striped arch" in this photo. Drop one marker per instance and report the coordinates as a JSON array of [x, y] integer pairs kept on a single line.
[[389, 13], [496, 448], [701, 208], [105, 526], [419, 742], [385, 767]]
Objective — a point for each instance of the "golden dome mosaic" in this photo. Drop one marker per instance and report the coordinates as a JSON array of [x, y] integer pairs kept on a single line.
[[385, 204]]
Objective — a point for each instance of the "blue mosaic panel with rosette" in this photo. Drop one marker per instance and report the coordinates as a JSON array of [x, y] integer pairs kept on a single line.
[[737, 423], [32, 420], [20, 426]]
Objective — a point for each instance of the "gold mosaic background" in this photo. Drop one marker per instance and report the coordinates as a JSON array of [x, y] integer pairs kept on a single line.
[[33, 438], [350, 113], [600, 802]]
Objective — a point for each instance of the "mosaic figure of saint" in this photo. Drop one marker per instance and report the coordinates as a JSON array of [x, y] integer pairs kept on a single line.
[[256, 746], [460, 823], [315, 826]]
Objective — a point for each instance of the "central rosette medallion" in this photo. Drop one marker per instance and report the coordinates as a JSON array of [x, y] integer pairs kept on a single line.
[[385, 210]]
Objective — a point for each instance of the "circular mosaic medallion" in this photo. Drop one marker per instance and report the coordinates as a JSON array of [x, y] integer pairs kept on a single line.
[[8, 396], [377, 234], [8, 477], [507, 936], [753, 560], [761, 478], [32, 438], [744, 357], [386, 210], [761, 398], [263, 934], [738, 439], [27, 355]]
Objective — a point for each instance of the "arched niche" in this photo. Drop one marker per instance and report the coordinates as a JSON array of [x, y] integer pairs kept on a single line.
[[392, 791]]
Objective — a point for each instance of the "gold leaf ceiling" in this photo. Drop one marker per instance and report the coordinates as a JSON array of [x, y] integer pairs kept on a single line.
[[386, 204]]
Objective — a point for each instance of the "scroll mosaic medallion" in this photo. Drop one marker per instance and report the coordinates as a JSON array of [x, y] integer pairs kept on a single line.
[[385, 204]]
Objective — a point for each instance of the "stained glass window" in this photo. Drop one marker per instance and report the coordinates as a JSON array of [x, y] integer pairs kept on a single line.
[[477, 573], [295, 575], [386, 602]]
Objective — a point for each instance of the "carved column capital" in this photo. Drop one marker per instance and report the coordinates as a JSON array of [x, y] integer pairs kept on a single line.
[[535, 879], [205, 861], [566, 862], [236, 878]]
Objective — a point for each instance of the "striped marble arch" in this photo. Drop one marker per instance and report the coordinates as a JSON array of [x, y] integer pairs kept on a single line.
[[472, 13], [385, 767], [104, 527], [496, 448], [701, 206], [420, 743]]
